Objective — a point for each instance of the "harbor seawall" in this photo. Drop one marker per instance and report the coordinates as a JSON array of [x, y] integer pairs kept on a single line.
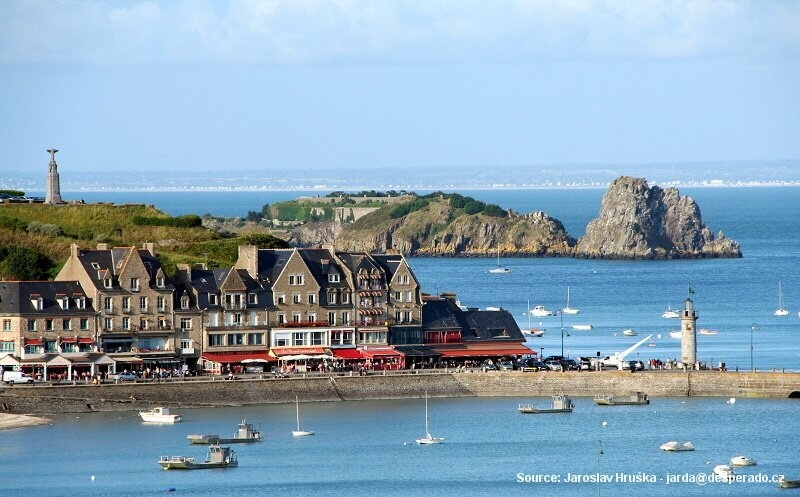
[[218, 392]]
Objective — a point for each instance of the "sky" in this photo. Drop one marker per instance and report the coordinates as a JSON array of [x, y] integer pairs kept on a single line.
[[287, 84]]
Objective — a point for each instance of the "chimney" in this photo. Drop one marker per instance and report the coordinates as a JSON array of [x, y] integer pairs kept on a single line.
[[150, 247], [183, 273], [73, 251], [248, 259], [102, 246]]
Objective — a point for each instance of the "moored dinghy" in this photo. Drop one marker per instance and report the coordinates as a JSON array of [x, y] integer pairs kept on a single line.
[[743, 461], [677, 446]]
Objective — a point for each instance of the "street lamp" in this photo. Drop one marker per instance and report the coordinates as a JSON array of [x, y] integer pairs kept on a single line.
[[753, 327], [561, 315]]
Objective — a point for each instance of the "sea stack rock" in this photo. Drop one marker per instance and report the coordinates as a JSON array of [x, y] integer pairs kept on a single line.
[[638, 222]]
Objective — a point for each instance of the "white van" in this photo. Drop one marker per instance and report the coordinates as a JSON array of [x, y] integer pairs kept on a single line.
[[13, 377]]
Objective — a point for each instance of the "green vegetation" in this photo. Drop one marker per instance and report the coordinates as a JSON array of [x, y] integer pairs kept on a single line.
[[187, 221], [301, 211], [20, 263], [462, 205], [13, 193], [370, 193]]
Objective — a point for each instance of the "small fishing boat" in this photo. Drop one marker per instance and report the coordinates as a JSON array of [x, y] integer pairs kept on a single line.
[[245, 434], [670, 313], [535, 332], [629, 332], [704, 331], [582, 327], [218, 457], [676, 334], [677, 446], [784, 483], [743, 461], [723, 471], [159, 415], [561, 403], [540, 311], [634, 399]]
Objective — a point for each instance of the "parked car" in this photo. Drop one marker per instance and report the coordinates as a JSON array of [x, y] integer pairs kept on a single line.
[[635, 365], [126, 376], [531, 364], [505, 365], [554, 365], [488, 365]]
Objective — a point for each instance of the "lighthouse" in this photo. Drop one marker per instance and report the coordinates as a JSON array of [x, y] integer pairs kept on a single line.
[[689, 335]]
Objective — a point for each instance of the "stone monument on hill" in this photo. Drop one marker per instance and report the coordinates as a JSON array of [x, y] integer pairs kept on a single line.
[[53, 185]]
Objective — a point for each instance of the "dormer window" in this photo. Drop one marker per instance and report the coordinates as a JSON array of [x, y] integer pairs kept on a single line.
[[37, 302], [81, 302], [252, 298], [160, 281], [63, 301], [333, 278], [95, 265], [184, 302], [134, 284], [107, 282], [213, 299]]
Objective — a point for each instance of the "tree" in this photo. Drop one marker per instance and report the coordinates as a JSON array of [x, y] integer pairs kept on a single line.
[[23, 264]]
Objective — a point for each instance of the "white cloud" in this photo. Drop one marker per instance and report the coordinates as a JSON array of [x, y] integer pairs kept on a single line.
[[288, 31]]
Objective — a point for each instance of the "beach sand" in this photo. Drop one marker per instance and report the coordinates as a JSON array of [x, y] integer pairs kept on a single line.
[[10, 421]]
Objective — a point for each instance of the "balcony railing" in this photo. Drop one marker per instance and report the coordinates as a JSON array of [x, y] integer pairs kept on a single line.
[[233, 306]]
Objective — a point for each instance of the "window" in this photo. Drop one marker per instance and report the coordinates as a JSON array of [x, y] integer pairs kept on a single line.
[[38, 303], [213, 299], [345, 298], [237, 319], [408, 316], [331, 297], [295, 298], [213, 319], [160, 303], [160, 281], [255, 338], [311, 317], [312, 298], [280, 298], [81, 302], [333, 278], [6, 325], [134, 284], [345, 317], [252, 319], [282, 339], [252, 298], [184, 302], [7, 347], [296, 317], [31, 325], [48, 325], [317, 338], [186, 343], [236, 339], [95, 265], [409, 297], [186, 323], [398, 316], [281, 318], [64, 301], [126, 323], [216, 340], [298, 338], [498, 332], [332, 318], [84, 324], [143, 324], [143, 303], [126, 303], [108, 324], [296, 279], [398, 296], [107, 282], [107, 303], [66, 324]]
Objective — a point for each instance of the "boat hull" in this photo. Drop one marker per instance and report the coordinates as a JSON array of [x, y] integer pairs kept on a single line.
[[536, 410], [783, 483], [186, 463]]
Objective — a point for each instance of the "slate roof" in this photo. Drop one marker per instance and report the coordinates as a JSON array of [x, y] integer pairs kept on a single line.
[[442, 314], [15, 297], [113, 260]]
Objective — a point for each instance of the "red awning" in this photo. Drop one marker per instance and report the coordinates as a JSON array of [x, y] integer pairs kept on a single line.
[[347, 353], [279, 351], [69, 340], [483, 350], [85, 340], [29, 341], [377, 350], [235, 357]]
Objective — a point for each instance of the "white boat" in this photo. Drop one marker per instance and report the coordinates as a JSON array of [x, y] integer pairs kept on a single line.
[[676, 334], [298, 432], [568, 309], [780, 311], [670, 313], [705, 331], [535, 332], [159, 415], [677, 446], [428, 439], [582, 327], [723, 471], [629, 332], [218, 457], [540, 311], [742, 461], [499, 268]]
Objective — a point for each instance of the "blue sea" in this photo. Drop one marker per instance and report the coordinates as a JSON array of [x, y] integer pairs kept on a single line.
[[366, 448]]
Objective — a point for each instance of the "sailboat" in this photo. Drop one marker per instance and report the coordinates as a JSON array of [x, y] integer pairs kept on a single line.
[[568, 309], [428, 439], [780, 311], [298, 432], [499, 268]]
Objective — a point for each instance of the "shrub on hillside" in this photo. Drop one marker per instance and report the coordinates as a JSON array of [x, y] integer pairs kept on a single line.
[[187, 221], [23, 264], [12, 223], [46, 229]]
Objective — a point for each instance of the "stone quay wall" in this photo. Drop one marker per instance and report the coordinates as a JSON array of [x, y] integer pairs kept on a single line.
[[218, 392]]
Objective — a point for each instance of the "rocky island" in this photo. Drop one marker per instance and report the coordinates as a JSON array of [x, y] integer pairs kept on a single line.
[[635, 222]]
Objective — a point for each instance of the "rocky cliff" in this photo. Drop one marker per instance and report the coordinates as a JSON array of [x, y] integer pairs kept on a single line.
[[639, 222]]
